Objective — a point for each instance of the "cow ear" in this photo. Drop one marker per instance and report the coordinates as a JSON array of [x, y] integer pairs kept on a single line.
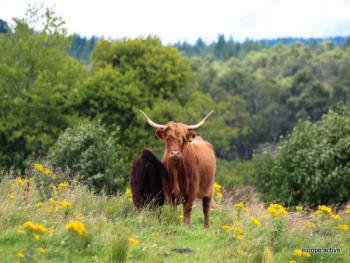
[[191, 134], [160, 133]]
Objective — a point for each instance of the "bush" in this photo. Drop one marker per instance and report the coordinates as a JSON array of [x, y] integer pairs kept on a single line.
[[89, 151], [311, 166]]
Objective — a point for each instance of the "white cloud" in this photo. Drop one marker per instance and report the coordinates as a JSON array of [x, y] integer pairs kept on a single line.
[[174, 20]]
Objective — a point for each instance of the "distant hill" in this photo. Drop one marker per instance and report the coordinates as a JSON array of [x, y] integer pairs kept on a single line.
[[224, 49], [221, 49], [3, 26], [82, 47]]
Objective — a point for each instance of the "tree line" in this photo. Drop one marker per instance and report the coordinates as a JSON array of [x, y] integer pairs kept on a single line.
[[257, 96]]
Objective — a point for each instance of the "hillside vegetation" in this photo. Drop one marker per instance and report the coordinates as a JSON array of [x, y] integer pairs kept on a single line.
[[74, 225], [69, 130]]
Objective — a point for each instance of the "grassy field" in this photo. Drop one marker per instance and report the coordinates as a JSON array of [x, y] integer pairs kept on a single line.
[[75, 225]]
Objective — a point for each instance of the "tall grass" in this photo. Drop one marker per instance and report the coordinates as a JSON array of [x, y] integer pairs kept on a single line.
[[118, 233]]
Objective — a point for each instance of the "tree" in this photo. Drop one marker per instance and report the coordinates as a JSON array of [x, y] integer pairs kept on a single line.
[[311, 166], [130, 75], [3, 26], [36, 77]]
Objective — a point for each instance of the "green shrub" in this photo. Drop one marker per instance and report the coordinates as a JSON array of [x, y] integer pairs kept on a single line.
[[311, 166], [93, 154]]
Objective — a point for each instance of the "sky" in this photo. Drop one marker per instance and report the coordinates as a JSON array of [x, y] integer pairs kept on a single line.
[[187, 20]]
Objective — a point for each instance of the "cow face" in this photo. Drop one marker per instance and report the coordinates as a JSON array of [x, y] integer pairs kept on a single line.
[[175, 136]]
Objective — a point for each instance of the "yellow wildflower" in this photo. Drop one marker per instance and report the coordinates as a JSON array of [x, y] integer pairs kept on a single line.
[[65, 204], [63, 185], [255, 221], [36, 236], [292, 261], [218, 196], [38, 166], [217, 192], [239, 205], [277, 210], [239, 230], [128, 193], [47, 171], [267, 254], [20, 255], [217, 187], [310, 224], [299, 208], [41, 250], [226, 228], [40, 204], [347, 209], [77, 227], [325, 209], [298, 252], [306, 254], [335, 217], [55, 191], [239, 237], [20, 232], [318, 212], [133, 241], [11, 196], [343, 227], [34, 227]]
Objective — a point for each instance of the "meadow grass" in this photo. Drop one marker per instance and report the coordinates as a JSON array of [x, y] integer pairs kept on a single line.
[[115, 232]]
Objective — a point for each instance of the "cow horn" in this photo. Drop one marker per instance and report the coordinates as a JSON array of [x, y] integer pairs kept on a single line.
[[152, 123], [199, 124]]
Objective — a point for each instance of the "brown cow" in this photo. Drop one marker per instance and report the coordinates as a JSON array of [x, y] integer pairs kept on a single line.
[[191, 165]]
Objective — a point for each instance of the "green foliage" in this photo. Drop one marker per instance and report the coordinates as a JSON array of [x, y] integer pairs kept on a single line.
[[36, 77], [119, 250], [160, 239], [234, 173], [3, 26], [94, 155], [311, 166], [259, 90], [161, 70], [127, 76], [81, 47]]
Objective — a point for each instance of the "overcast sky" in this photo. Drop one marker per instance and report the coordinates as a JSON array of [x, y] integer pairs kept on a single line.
[[174, 20]]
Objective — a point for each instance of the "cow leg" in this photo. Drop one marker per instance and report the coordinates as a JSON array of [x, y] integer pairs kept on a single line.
[[206, 206], [187, 210]]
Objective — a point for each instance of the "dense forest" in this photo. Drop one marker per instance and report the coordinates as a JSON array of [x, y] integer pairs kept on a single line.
[[221, 49], [259, 90]]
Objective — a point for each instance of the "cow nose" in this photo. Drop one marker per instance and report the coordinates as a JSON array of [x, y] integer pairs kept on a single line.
[[175, 155]]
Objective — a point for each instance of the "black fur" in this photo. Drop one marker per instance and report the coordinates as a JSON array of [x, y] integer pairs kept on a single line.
[[146, 180]]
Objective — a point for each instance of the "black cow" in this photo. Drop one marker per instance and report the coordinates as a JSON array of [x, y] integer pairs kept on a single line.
[[146, 179]]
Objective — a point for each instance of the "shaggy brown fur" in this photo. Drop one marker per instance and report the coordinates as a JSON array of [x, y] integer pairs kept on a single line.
[[146, 179], [191, 165]]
